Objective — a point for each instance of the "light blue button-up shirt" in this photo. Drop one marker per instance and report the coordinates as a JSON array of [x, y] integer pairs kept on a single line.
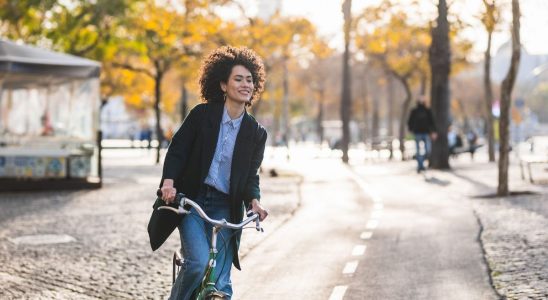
[[219, 171]]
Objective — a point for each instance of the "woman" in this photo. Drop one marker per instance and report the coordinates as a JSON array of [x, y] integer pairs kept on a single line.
[[214, 159]]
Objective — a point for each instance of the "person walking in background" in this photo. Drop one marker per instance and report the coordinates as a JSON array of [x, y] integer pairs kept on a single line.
[[421, 124], [214, 159]]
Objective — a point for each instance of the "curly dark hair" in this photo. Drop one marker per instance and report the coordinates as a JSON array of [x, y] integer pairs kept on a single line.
[[218, 65]]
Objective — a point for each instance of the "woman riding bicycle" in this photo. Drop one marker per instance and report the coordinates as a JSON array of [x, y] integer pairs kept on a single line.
[[214, 159]]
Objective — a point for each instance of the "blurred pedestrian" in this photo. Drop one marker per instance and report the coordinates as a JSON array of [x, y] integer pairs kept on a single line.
[[454, 140], [214, 159], [472, 139], [421, 124]]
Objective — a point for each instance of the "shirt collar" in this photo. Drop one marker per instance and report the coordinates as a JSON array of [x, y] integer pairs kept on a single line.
[[226, 119]]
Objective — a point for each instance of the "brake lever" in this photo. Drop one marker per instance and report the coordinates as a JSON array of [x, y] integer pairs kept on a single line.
[[258, 225]]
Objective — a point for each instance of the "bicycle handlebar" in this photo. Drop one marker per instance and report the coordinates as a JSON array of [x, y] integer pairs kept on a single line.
[[181, 201]]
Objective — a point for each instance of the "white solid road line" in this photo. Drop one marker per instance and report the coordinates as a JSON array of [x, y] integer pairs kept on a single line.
[[350, 267], [358, 250], [338, 292]]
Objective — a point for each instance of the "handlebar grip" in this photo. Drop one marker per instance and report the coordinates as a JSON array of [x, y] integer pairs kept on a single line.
[[179, 197]]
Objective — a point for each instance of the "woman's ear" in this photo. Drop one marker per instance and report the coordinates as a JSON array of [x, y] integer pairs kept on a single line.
[[223, 87]]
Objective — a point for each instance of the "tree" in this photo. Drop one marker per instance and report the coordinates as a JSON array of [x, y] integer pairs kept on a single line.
[[318, 80], [489, 19], [398, 47], [440, 66], [505, 101], [24, 19], [281, 41], [346, 83], [83, 28], [160, 39]]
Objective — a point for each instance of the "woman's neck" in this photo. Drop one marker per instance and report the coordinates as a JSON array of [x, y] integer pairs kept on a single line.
[[234, 109]]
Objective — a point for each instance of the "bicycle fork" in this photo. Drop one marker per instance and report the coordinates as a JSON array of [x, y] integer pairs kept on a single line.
[[208, 284]]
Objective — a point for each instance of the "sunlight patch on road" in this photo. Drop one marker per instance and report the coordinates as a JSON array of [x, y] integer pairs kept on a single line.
[[42, 239], [338, 292], [358, 250], [350, 267]]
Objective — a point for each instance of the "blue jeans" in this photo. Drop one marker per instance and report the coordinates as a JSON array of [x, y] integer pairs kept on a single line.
[[195, 244], [421, 155]]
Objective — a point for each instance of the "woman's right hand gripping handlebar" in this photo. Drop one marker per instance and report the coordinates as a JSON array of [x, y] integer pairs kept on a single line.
[[168, 191]]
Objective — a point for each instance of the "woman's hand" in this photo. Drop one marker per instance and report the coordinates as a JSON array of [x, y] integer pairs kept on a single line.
[[258, 208], [168, 191]]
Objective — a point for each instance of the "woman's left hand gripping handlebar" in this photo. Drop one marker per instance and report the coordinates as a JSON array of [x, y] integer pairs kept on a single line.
[[258, 208]]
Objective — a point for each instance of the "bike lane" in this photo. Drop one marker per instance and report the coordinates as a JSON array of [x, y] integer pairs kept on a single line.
[[316, 251], [426, 241]]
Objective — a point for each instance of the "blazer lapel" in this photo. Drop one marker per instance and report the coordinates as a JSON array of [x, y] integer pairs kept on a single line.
[[241, 150], [211, 134]]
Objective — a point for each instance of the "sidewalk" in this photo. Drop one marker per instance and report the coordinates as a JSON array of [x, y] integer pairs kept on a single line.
[[109, 256], [514, 230]]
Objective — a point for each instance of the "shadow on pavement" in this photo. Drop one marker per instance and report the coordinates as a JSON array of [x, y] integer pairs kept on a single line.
[[434, 180]]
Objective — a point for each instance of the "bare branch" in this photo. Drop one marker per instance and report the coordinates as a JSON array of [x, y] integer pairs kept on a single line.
[[134, 69]]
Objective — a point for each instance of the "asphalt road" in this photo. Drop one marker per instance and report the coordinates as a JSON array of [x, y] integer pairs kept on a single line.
[[369, 232]]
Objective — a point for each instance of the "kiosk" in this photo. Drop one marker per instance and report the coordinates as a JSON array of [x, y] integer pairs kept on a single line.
[[49, 119]]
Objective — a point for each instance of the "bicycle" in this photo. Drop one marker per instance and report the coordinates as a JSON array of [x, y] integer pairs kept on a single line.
[[206, 290]]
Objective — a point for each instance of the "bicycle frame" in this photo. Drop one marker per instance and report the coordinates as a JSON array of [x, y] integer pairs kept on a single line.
[[207, 287]]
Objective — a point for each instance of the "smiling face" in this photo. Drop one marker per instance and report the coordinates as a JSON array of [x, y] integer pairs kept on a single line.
[[239, 87]]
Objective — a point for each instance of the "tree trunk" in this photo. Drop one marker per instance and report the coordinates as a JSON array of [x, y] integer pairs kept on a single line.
[[184, 101], [346, 92], [319, 120], [390, 121], [440, 66], [158, 98], [404, 113], [489, 120], [285, 103], [365, 93], [506, 99], [375, 126], [423, 84], [256, 106]]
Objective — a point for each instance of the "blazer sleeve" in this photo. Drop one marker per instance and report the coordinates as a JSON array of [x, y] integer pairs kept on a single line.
[[181, 144], [252, 190]]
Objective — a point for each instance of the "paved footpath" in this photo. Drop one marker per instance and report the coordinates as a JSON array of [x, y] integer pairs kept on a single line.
[[109, 257], [514, 229]]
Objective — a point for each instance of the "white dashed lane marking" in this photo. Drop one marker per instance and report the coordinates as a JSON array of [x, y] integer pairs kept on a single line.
[[338, 292], [350, 267], [358, 250], [366, 235]]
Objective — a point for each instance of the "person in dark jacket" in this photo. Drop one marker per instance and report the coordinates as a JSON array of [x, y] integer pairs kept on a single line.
[[421, 123], [214, 159]]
